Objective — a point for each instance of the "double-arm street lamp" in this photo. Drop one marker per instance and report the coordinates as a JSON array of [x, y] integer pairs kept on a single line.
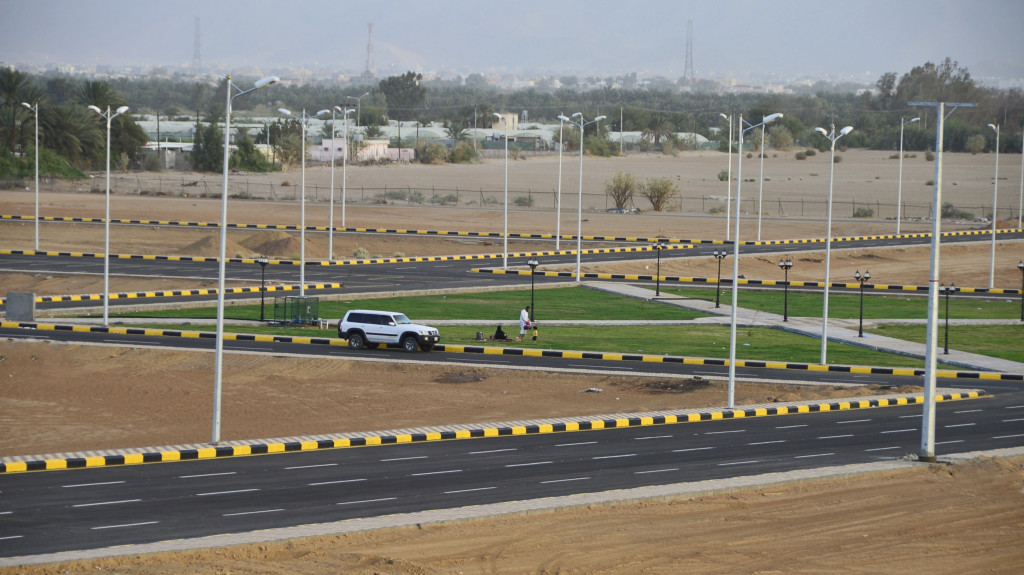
[[947, 291], [659, 246], [995, 208], [304, 120], [736, 249], [106, 220], [832, 137], [35, 111], [504, 252], [358, 100], [786, 265], [899, 186], [861, 278], [218, 369], [719, 255], [558, 194], [334, 148], [580, 123]]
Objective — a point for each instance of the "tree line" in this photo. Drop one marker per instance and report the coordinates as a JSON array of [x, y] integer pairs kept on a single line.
[[73, 139]]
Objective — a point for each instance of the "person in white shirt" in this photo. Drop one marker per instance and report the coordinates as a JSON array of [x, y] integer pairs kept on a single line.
[[524, 322]]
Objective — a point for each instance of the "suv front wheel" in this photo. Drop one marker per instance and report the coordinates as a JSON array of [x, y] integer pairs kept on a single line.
[[409, 343], [355, 340]]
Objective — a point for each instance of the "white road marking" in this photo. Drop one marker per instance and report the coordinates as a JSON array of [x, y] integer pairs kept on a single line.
[[469, 490], [207, 475], [721, 432], [529, 464], [311, 466], [654, 437], [767, 442], [790, 426], [854, 421], [107, 503], [899, 430], [367, 501], [575, 444], [491, 451], [969, 411], [945, 442], [959, 425], [126, 525], [656, 471], [909, 416], [882, 448], [691, 449], [335, 482], [403, 458], [226, 492], [614, 456], [94, 484], [835, 436], [565, 480], [435, 472], [739, 463], [251, 512], [815, 455], [11, 537], [1013, 420], [1008, 436]]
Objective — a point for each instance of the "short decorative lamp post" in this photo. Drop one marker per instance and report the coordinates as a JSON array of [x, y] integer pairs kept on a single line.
[[533, 269], [719, 255], [861, 279], [1020, 266], [263, 261], [785, 264], [659, 246], [947, 291]]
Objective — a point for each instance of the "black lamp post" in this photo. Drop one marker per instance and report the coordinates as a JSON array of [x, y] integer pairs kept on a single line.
[[263, 261], [1020, 266], [719, 255], [533, 269], [861, 279], [659, 246], [785, 265], [947, 291]]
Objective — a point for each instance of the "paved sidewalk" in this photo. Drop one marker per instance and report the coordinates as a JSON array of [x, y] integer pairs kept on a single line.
[[839, 330]]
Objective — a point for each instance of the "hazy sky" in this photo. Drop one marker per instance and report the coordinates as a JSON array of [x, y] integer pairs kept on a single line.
[[861, 39]]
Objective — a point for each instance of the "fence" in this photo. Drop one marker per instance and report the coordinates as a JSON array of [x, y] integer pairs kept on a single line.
[[241, 187]]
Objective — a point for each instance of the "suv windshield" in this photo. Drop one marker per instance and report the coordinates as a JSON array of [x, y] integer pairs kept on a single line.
[[401, 319]]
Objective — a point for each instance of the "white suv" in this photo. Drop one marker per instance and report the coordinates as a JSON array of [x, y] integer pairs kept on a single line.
[[361, 327]]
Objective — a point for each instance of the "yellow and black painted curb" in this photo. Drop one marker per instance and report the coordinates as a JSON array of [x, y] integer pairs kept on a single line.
[[533, 429], [749, 282], [523, 352], [67, 219], [180, 293]]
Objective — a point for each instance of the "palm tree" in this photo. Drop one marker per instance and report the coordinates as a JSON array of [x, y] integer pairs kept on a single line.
[[657, 128], [16, 87], [72, 132]]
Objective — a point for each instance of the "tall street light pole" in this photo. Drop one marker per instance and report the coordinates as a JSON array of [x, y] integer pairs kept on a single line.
[[1020, 266], [832, 137], [927, 452], [106, 219], [504, 252], [558, 195], [1020, 202], [334, 148], [736, 250], [861, 278], [899, 186], [304, 122], [35, 111], [760, 187], [218, 368], [786, 265], [358, 100], [995, 211], [581, 124], [719, 255], [728, 182]]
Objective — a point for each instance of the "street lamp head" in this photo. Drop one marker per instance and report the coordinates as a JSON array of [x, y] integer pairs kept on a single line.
[[533, 263], [599, 118], [563, 118], [577, 114], [499, 116], [263, 83], [845, 131], [771, 118], [723, 116], [994, 127], [285, 111], [821, 131], [917, 119], [320, 113], [122, 110], [26, 104], [1020, 265], [96, 109], [867, 274], [856, 275]]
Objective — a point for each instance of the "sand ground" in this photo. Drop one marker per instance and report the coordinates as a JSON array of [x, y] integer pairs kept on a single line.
[[941, 518]]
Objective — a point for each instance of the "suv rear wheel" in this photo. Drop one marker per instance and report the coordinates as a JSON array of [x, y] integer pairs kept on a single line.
[[355, 340]]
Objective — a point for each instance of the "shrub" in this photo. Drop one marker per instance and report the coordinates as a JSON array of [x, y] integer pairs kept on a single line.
[[723, 175], [361, 253], [949, 211], [621, 189], [659, 191], [838, 159], [447, 199], [716, 209], [811, 152], [929, 156], [863, 213], [463, 153], [399, 195], [523, 201], [801, 156], [434, 153], [416, 197]]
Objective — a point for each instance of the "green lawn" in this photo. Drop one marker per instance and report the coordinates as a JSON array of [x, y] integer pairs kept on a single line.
[[1002, 341]]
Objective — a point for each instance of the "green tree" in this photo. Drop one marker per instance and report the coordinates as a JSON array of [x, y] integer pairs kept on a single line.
[[16, 120], [659, 191], [246, 157], [373, 131], [208, 148], [404, 95], [780, 137], [455, 129], [975, 144], [621, 189], [657, 128]]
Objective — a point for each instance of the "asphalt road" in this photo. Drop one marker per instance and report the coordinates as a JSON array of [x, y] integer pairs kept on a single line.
[[80, 509]]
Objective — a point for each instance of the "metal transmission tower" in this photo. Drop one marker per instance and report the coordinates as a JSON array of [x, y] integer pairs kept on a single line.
[[688, 71], [369, 47], [197, 58]]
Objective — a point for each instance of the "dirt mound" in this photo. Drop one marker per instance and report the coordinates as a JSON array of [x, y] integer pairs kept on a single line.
[[275, 243], [209, 246]]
